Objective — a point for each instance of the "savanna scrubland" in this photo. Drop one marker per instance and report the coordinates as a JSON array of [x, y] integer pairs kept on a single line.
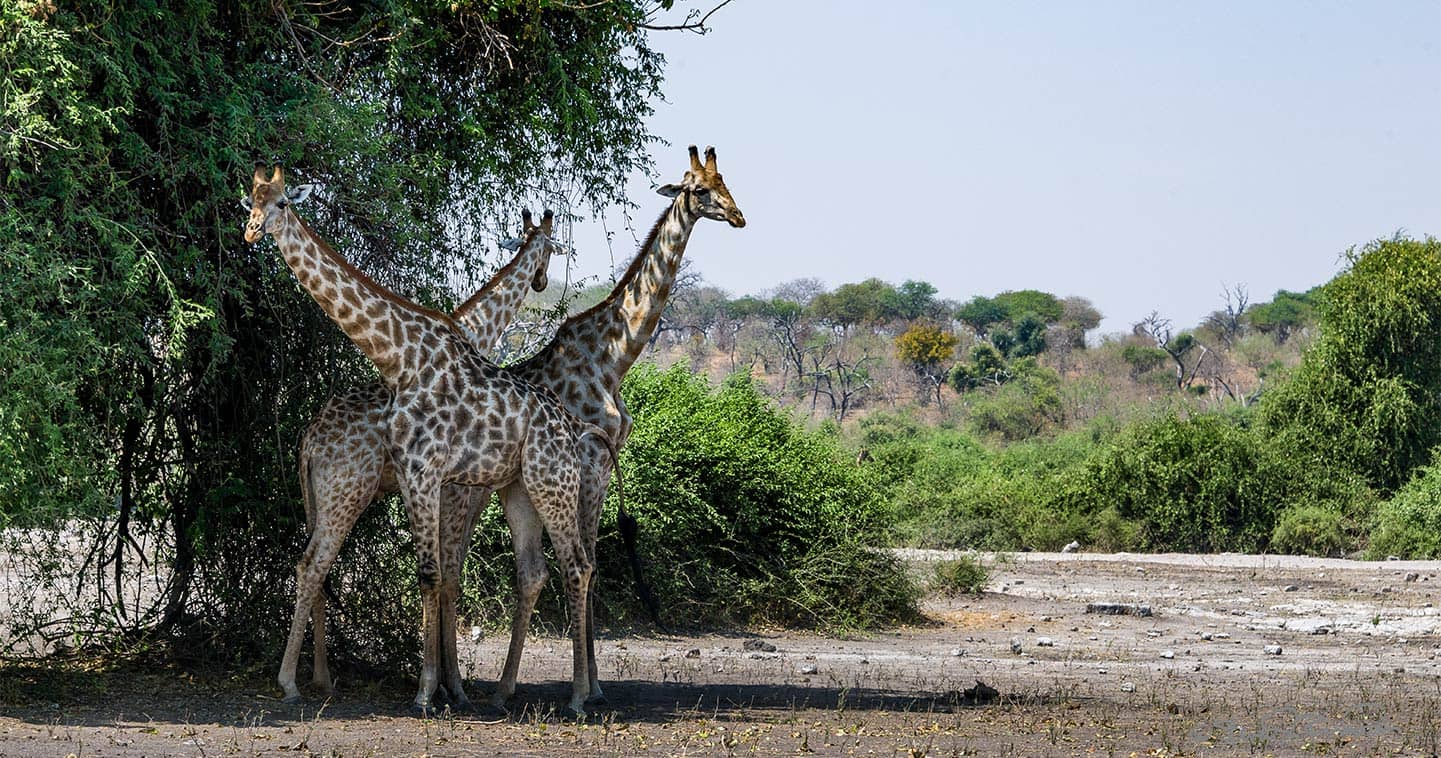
[[1303, 423], [155, 373]]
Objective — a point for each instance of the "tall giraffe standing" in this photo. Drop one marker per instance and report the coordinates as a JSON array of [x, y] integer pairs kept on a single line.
[[455, 418], [344, 464], [584, 365]]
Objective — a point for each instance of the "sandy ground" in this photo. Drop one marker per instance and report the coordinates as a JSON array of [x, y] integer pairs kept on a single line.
[[1241, 655]]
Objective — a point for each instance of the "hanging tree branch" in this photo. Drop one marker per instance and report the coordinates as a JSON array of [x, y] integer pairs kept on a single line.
[[690, 24]]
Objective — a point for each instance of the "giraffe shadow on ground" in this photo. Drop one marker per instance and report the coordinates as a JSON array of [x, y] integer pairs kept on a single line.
[[39, 696]]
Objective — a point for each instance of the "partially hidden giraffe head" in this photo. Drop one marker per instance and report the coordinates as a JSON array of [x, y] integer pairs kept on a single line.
[[705, 191], [268, 201], [529, 228]]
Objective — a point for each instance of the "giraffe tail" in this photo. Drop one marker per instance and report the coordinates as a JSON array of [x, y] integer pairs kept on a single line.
[[307, 489], [629, 530]]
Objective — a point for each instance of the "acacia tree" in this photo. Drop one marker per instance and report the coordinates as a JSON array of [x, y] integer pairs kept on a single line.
[[924, 347], [869, 302], [155, 370], [1187, 353], [1287, 313]]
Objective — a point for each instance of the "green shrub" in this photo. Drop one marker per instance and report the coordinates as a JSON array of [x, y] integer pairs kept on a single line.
[[744, 515], [1199, 484], [1409, 524], [962, 576], [945, 489], [1313, 530], [1367, 396], [1021, 408]]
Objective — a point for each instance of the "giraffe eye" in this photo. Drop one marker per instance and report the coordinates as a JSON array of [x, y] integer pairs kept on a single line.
[[702, 192]]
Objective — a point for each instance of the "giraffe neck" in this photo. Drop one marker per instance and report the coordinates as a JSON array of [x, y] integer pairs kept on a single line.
[[377, 320], [484, 317], [614, 332]]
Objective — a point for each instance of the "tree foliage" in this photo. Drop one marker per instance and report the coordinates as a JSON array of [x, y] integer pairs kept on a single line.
[[1017, 304], [154, 370], [1286, 313], [864, 302], [1367, 396], [980, 313], [926, 346]]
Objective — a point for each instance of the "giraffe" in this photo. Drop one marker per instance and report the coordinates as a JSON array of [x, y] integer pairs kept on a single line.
[[344, 465], [584, 365], [454, 418]]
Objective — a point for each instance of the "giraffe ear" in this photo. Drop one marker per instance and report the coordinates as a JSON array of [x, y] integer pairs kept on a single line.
[[298, 193], [670, 190], [245, 202], [511, 244]]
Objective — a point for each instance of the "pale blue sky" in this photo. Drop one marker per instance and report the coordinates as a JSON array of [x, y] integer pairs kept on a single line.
[[1140, 154]]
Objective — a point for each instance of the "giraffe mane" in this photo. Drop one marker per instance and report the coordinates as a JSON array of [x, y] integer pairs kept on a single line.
[[498, 275], [631, 273], [364, 279]]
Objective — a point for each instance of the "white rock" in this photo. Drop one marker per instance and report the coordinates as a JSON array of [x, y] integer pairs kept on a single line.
[[1273, 650], [1168, 654], [1045, 642], [1071, 547]]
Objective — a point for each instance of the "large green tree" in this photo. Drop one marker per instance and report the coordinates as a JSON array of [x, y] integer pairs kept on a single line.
[[154, 370], [1367, 396]]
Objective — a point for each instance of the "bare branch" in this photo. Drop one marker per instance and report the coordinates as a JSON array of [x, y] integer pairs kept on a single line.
[[690, 25]]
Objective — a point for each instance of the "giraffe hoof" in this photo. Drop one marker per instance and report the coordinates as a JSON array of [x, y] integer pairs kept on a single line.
[[295, 699], [596, 699], [575, 714]]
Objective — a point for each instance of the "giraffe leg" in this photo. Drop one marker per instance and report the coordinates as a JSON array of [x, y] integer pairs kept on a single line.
[[461, 510], [578, 570], [307, 585], [596, 695], [592, 500], [333, 524], [320, 673], [422, 497], [530, 573]]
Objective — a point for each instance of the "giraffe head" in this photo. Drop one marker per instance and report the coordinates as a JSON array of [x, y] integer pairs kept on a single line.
[[529, 227], [704, 191], [268, 200]]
